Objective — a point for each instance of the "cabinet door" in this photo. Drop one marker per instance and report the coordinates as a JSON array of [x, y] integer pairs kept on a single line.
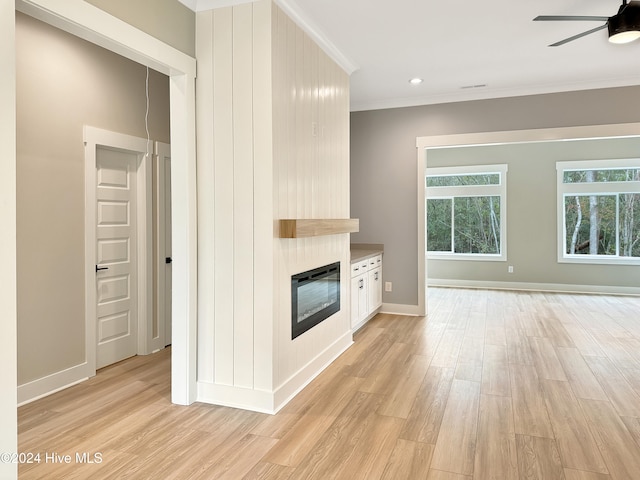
[[355, 300], [363, 294], [375, 289]]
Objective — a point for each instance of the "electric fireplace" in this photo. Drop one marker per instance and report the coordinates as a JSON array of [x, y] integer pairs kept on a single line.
[[315, 296]]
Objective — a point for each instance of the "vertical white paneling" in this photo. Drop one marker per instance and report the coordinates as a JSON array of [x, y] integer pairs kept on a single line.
[[315, 118], [263, 197], [243, 185], [307, 139], [298, 105], [308, 182], [324, 199], [206, 199], [224, 275], [282, 89], [270, 84]]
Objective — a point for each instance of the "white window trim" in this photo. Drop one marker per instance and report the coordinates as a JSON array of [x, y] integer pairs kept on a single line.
[[474, 190], [598, 188]]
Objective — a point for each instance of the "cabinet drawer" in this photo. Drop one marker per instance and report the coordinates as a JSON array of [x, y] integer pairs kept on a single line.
[[358, 268], [375, 262]]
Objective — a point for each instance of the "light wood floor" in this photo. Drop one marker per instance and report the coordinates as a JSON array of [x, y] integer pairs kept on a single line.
[[492, 385]]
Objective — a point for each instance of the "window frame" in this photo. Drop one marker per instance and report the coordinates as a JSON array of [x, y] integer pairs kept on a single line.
[[451, 192], [591, 188]]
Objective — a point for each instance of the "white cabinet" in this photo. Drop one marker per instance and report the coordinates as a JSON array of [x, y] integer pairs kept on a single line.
[[374, 289], [366, 289], [359, 303]]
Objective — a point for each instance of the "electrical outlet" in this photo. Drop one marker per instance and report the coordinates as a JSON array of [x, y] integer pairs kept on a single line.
[[510, 269], [388, 286]]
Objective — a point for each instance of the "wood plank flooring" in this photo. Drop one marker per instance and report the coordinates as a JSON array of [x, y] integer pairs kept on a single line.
[[491, 385]]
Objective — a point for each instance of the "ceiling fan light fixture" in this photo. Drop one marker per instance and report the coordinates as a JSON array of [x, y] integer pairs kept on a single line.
[[624, 27], [624, 37]]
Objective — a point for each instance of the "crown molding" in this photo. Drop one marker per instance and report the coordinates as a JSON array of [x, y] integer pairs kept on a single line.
[[293, 10], [466, 96]]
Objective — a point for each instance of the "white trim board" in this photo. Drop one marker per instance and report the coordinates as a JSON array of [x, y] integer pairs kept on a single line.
[[42, 387], [8, 277], [401, 309], [535, 287]]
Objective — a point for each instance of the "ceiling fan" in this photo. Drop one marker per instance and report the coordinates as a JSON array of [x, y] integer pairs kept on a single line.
[[624, 26]]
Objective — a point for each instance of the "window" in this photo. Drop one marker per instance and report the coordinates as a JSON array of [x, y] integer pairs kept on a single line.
[[466, 212], [599, 211]]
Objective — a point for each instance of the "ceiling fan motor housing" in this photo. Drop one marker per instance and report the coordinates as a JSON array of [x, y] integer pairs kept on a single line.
[[626, 21]]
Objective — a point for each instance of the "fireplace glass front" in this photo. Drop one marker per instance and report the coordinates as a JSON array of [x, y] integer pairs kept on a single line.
[[315, 296]]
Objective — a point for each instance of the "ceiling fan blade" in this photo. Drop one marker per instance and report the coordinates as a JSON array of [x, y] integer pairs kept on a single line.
[[580, 35], [562, 18]]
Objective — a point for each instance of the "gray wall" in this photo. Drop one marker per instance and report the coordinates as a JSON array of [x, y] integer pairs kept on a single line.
[[64, 83], [167, 20], [383, 163]]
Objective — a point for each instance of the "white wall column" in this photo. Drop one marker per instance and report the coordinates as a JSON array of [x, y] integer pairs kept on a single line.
[[8, 305]]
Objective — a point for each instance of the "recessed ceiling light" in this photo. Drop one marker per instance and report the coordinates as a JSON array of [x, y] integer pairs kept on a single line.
[[416, 81]]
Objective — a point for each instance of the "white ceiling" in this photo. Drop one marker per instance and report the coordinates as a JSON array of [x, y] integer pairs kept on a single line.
[[462, 50]]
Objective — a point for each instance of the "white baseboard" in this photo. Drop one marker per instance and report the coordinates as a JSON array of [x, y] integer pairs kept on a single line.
[[412, 310], [270, 402], [400, 309], [292, 386], [236, 397], [53, 383], [357, 327], [537, 287]]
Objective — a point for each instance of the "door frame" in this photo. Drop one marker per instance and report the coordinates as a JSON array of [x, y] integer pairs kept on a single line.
[[93, 138], [86, 21], [162, 155]]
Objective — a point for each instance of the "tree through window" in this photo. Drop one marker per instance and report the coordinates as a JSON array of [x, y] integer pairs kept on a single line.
[[466, 211], [599, 207]]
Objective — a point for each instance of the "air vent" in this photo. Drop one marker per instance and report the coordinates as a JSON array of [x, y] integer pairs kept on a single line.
[[480, 85]]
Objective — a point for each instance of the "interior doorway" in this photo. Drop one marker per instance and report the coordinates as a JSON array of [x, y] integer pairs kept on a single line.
[[127, 232], [86, 21]]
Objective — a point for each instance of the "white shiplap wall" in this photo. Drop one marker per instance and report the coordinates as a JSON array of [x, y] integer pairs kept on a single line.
[[311, 180], [272, 113]]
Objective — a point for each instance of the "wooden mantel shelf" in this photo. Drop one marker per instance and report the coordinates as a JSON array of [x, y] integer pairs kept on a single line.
[[301, 228]]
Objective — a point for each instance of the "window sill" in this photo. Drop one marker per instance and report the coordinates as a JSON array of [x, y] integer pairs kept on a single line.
[[599, 260], [474, 257]]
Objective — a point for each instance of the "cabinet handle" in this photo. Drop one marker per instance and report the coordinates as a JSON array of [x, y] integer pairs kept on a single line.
[[356, 269], [376, 276], [361, 284]]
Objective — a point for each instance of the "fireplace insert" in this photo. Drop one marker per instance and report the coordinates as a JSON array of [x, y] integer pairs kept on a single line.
[[315, 296]]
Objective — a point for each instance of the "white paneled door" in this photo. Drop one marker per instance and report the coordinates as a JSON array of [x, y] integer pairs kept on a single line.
[[116, 252]]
